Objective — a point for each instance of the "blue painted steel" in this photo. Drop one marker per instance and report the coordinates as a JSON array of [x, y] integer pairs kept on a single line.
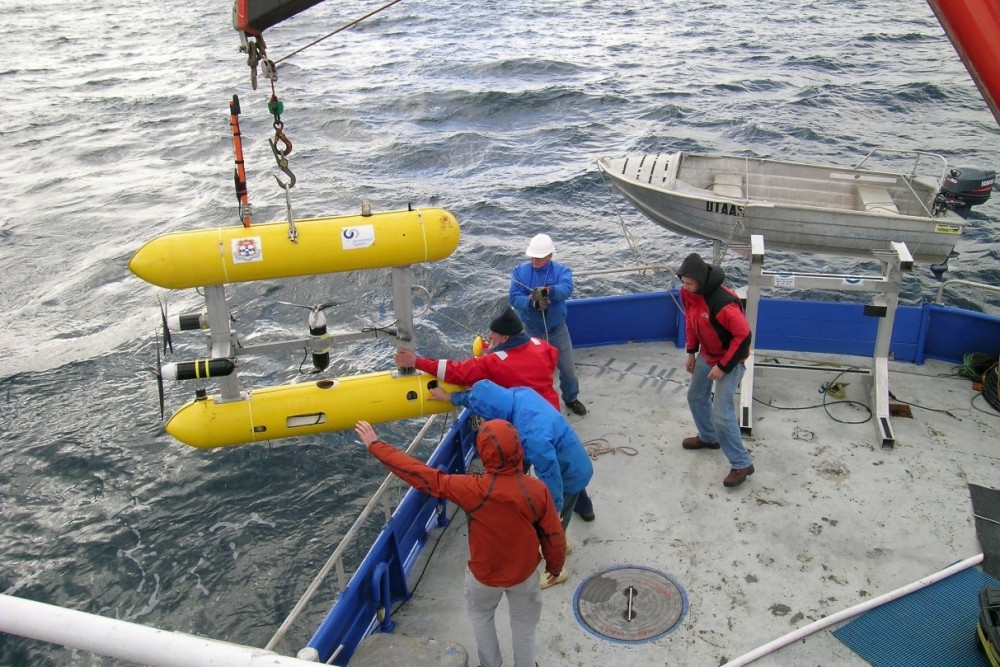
[[380, 591], [629, 318], [952, 333], [919, 332]]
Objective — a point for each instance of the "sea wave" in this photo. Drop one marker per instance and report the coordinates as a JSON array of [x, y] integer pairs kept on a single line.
[[117, 128]]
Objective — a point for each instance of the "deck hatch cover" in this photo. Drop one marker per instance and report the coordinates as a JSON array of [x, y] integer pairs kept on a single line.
[[630, 604]]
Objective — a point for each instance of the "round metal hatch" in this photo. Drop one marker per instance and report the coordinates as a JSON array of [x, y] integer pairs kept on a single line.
[[630, 604]]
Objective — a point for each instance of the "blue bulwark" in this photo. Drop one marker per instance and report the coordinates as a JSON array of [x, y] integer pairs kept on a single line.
[[629, 318], [381, 580], [919, 332]]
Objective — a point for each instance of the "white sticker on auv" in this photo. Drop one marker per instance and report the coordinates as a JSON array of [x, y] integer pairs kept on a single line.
[[362, 236]]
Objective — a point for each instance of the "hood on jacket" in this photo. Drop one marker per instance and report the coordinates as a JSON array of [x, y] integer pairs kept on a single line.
[[499, 446], [709, 277], [489, 399]]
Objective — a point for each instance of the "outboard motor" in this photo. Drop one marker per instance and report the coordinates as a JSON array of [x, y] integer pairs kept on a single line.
[[965, 187]]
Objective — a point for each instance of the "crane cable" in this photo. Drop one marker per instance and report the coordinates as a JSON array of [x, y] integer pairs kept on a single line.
[[340, 29]]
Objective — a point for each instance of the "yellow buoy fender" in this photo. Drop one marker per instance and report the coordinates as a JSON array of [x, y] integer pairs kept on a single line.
[[306, 408], [323, 245]]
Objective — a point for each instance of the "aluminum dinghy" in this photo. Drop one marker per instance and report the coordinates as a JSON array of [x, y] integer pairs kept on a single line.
[[803, 207]]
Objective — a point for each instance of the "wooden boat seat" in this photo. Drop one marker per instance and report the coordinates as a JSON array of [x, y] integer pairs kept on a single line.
[[877, 199], [728, 185]]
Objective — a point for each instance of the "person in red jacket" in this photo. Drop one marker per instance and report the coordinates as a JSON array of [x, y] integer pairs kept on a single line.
[[511, 518], [717, 337], [513, 360]]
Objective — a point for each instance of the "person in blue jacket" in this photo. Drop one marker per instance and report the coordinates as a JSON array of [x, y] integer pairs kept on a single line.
[[549, 442], [539, 289]]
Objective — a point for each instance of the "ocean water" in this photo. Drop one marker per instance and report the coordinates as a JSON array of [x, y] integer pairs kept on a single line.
[[116, 130]]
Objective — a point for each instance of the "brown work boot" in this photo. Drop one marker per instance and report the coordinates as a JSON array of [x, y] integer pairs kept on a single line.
[[737, 476], [697, 443], [545, 582]]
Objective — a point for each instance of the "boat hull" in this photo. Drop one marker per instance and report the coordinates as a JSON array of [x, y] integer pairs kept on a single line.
[[305, 409], [832, 226], [322, 245]]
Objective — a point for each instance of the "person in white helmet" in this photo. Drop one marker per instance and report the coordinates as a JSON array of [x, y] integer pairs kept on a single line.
[[539, 289]]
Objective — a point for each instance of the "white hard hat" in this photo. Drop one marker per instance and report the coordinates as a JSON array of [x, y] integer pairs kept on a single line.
[[541, 246]]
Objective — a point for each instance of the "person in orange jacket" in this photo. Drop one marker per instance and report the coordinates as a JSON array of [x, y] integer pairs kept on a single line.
[[513, 524]]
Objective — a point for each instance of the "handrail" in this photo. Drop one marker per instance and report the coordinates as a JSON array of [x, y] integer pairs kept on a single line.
[[128, 641], [916, 160], [908, 181], [958, 281], [624, 269], [336, 558]]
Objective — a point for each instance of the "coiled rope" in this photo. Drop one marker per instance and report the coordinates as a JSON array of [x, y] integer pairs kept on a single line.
[[599, 447], [980, 367], [991, 387]]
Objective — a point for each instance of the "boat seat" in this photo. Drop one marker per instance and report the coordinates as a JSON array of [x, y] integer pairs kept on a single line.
[[876, 199], [728, 185]]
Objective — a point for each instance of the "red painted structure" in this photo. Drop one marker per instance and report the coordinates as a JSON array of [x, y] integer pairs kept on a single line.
[[255, 16], [973, 26]]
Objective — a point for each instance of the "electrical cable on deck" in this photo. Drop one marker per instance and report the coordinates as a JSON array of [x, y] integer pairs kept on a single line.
[[974, 366]]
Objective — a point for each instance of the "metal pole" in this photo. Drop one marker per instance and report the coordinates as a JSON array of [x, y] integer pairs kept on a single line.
[[128, 641]]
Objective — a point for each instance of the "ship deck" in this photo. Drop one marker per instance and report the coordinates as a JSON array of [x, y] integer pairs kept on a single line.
[[829, 520]]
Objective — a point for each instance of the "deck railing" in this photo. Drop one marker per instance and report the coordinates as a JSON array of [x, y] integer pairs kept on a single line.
[[336, 560], [939, 297]]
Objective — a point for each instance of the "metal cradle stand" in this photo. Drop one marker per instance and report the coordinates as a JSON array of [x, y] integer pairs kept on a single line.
[[225, 345], [886, 289]]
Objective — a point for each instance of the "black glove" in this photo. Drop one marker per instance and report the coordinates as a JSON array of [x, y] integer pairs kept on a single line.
[[540, 298]]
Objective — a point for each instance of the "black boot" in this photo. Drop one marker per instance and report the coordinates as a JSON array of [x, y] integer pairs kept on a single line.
[[584, 506]]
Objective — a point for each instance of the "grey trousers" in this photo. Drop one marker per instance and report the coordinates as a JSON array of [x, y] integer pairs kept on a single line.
[[525, 602], [569, 504]]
